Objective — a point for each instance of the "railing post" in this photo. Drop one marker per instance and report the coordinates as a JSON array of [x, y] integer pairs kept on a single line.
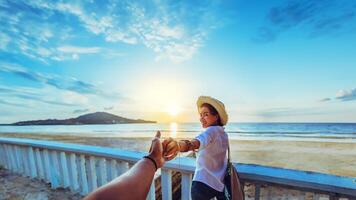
[[14, 158], [122, 167], [103, 172], [83, 176], [316, 197], [301, 195], [186, 186], [25, 161], [92, 173], [257, 191], [64, 167], [47, 166], [2, 157], [31, 158], [74, 172], [166, 184], [9, 159], [333, 197], [113, 169], [39, 163], [152, 193], [19, 159], [55, 179]]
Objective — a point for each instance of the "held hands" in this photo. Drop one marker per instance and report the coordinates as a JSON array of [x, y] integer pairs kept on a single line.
[[163, 151], [171, 148]]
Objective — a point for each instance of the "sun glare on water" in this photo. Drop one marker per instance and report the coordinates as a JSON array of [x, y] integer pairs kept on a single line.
[[173, 129]]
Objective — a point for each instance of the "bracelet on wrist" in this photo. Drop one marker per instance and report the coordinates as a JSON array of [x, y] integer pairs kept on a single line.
[[188, 145], [153, 161]]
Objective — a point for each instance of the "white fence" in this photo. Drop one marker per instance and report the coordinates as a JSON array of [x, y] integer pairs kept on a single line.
[[83, 168]]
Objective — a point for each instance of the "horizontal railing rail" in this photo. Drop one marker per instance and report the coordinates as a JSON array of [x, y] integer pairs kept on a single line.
[[83, 168]]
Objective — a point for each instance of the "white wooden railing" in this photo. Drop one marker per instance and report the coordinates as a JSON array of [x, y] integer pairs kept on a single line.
[[83, 168]]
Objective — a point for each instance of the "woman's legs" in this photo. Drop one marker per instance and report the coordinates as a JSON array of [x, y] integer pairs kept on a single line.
[[201, 191]]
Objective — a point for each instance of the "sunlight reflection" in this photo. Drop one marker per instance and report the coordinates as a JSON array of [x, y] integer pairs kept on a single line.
[[173, 129]]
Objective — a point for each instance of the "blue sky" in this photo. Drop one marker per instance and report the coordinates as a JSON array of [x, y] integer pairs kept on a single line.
[[268, 61]]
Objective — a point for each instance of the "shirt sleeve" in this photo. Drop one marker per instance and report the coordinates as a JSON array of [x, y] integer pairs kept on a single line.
[[205, 138]]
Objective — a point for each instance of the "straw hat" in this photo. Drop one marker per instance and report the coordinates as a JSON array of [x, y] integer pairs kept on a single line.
[[218, 105]]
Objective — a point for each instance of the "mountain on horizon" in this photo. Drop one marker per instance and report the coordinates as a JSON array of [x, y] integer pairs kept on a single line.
[[91, 118]]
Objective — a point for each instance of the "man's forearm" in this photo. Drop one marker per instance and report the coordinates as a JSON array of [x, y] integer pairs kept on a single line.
[[134, 184]]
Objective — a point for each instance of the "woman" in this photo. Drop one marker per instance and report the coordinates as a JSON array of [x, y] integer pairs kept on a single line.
[[212, 144]]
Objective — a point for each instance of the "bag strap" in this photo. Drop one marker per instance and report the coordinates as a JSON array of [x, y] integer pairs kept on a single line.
[[228, 151]]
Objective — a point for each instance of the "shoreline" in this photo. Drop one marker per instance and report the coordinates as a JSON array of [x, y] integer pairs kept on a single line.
[[330, 157]]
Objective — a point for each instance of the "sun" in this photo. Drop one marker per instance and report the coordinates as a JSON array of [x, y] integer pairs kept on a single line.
[[173, 110]]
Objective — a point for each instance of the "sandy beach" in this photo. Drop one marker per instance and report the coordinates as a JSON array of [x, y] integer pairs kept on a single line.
[[330, 157]]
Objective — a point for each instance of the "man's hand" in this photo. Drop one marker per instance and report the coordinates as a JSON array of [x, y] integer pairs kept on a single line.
[[156, 150], [171, 148]]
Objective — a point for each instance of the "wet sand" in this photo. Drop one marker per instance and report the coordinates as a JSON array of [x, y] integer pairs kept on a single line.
[[329, 157]]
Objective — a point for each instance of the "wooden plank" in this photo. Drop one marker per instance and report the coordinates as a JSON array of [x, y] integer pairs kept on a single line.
[[186, 186], [83, 176], [39, 164], [166, 184], [74, 172], [152, 193], [31, 158], [92, 173], [103, 172], [64, 166]]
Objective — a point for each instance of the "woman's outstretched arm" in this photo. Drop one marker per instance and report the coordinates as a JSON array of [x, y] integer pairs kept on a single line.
[[174, 146]]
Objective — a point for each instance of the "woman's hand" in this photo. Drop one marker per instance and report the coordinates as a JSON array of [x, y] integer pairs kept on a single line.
[[156, 150], [171, 148]]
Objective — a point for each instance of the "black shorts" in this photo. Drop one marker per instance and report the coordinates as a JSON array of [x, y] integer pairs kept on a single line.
[[201, 191]]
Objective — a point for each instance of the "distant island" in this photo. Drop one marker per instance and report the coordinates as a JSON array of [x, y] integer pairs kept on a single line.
[[91, 118]]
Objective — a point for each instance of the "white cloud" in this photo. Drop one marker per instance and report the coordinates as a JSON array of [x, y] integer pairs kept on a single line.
[[74, 98], [346, 95], [44, 52], [79, 50], [75, 56], [163, 28], [4, 41]]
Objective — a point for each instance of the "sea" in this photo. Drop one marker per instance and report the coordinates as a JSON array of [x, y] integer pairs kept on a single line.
[[253, 131]]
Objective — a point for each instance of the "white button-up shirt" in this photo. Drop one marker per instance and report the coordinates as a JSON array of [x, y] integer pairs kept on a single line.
[[211, 161]]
